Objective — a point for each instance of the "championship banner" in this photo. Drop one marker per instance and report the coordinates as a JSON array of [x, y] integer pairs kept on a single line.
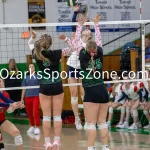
[[36, 11]]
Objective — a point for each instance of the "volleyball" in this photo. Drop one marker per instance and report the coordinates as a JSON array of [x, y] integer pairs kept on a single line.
[[72, 3]]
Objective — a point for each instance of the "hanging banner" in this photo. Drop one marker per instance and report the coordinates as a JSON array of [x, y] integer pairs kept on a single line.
[[36, 11], [64, 14], [116, 10], [111, 10]]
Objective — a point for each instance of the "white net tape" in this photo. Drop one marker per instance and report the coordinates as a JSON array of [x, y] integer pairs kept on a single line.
[[136, 24], [71, 24]]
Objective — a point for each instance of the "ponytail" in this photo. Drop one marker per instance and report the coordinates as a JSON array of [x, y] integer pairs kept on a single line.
[[92, 54], [91, 48], [43, 43]]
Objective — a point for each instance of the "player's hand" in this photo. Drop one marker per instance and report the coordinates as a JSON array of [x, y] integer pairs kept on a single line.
[[143, 104], [82, 20], [76, 8], [62, 37], [97, 19], [14, 105], [33, 33], [21, 104]]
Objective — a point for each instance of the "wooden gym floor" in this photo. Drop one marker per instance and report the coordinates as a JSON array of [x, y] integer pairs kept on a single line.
[[72, 139]]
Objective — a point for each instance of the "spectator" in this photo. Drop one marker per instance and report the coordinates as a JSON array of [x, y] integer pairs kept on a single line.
[[12, 71], [147, 50], [32, 100]]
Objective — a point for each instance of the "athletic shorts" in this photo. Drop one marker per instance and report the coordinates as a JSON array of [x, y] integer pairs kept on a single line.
[[51, 89], [73, 73], [96, 94], [1, 122]]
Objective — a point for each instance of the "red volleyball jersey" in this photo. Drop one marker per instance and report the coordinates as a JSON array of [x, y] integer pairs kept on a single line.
[[2, 109]]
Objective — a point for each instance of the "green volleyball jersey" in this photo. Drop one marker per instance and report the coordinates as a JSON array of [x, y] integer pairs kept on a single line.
[[90, 78], [49, 70]]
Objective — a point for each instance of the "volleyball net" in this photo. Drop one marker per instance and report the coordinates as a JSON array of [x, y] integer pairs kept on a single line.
[[119, 38]]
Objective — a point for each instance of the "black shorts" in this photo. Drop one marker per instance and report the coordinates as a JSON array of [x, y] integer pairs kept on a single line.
[[1, 122], [73, 73], [51, 89], [96, 94]]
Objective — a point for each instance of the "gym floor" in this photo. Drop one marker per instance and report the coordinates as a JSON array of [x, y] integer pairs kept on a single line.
[[72, 139]]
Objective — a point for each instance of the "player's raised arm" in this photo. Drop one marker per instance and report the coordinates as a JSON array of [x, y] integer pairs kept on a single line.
[[78, 34], [71, 45], [98, 37], [32, 39]]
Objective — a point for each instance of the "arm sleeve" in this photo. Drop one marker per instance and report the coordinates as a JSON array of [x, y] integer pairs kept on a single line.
[[69, 49], [146, 96], [6, 100], [73, 44], [31, 43], [140, 95], [4, 104], [69, 42], [98, 37], [123, 97], [74, 20], [78, 34]]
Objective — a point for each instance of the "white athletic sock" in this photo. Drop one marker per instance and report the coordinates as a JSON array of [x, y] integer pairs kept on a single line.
[[82, 97], [108, 122], [104, 147], [91, 148], [47, 139], [77, 118], [56, 138]]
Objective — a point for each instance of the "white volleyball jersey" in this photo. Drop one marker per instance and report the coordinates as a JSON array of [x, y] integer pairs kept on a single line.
[[131, 92], [118, 92], [73, 60]]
